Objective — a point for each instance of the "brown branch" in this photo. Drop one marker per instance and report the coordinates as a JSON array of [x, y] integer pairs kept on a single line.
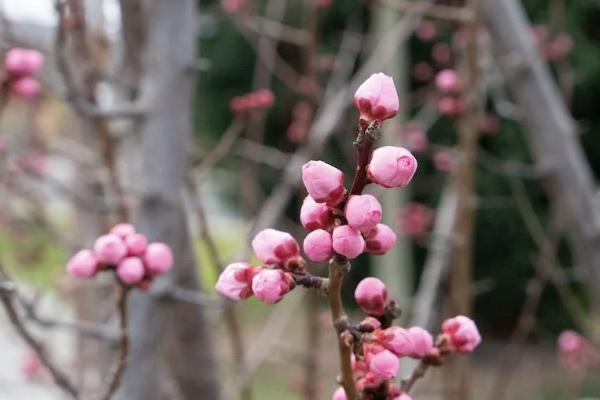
[[418, 373]]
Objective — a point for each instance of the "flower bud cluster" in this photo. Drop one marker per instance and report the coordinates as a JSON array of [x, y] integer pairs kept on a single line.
[[260, 100], [21, 66]]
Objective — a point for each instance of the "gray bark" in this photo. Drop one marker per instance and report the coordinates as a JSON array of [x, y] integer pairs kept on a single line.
[[167, 336]]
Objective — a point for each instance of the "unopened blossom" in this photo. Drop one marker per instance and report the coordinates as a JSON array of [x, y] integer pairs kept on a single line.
[[377, 98], [110, 249], [261, 99], [426, 31], [315, 215], [392, 166], [83, 264], [270, 285], [123, 230], [379, 239], [576, 352], [26, 88], [421, 340], [32, 367], [131, 270], [318, 245], [441, 53], [463, 335], [275, 247], [324, 183], [348, 241], [397, 340], [443, 160], [363, 211], [158, 258], [19, 62], [422, 71], [235, 281], [136, 244], [403, 396], [415, 219], [233, 6], [339, 394], [448, 81], [371, 296], [384, 365], [416, 139]]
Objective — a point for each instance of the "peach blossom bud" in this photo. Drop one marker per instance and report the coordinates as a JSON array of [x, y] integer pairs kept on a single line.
[[422, 342], [426, 31], [131, 270], [315, 215], [123, 230], [448, 81], [443, 160], [270, 285], [32, 367], [318, 245], [239, 104], [348, 242], [403, 396], [83, 264], [380, 239], [27, 88], [376, 98], [110, 249], [136, 244], [363, 212], [20, 62], [441, 53], [559, 47], [232, 6], [392, 166], [371, 296], [415, 219], [397, 340], [489, 124], [275, 247], [324, 183], [416, 139], [422, 71], [463, 334], [576, 352], [158, 258], [384, 365], [339, 394], [265, 98], [235, 281]]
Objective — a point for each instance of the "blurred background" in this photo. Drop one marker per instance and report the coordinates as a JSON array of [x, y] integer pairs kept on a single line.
[[192, 119]]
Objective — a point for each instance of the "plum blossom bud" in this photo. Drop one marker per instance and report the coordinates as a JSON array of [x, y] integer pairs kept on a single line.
[[363, 212], [422, 71], [443, 160], [371, 323], [26, 88], [32, 367], [324, 183], [376, 98], [136, 244], [158, 258], [403, 396], [123, 230], [416, 139], [232, 6], [339, 394], [275, 247], [83, 264], [264, 98], [463, 335], [318, 245], [448, 81], [131, 270], [426, 31], [110, 249], [576, 352], [315, 215], [441, 53], [380, 239], [348, 242], [371, 296], [384, 365], [235, 281], [270, 285], [422, 342], [415, 219], [397, 340], [19, 62], [451, 106], [392, 166]]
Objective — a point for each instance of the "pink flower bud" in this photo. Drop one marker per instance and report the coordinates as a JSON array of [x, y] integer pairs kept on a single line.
[[318, 245], [20, 62], [136, 244], [376, 98], [32, 367], [441, 53], [371, 322], [232, 6], [415, 219], [576, 352], [426, 31], [422, 342], [348, 242], [239, 104], [363, 212], [315, 215], [416, 139], [422, 71], [339, 394], [384, 365], [392, 166], [265, 98], [110, 249], [235, 281], [83, 264], [380, 239], [462, 333], [324, 183], [131, 270], [448, 81], [27, 88], [403, 396], [123, 230], [397, 340], [270, 285], [371, 296], [489, 124], [443, 160], [275, 247], [158, 258]]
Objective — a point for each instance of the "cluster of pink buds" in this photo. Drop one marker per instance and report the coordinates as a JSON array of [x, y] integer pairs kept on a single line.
[[576, 352], [128, 253], [21, 66], [260, 100], [449, 85]]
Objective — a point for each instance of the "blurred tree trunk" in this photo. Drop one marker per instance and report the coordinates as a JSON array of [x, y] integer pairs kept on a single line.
[[167, 336]]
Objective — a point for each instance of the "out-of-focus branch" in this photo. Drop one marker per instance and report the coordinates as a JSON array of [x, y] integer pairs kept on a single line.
[[276, 30], [439, 11]]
